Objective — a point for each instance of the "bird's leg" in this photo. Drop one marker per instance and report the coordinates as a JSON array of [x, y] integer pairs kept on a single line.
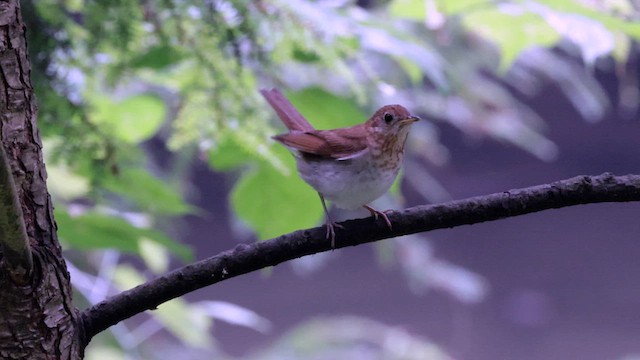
[[375, 213], [331, 231]]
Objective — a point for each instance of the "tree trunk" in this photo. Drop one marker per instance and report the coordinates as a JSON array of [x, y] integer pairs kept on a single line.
[[38, 320]]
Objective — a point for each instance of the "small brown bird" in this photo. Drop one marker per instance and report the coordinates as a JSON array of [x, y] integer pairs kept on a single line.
[[352, 166]]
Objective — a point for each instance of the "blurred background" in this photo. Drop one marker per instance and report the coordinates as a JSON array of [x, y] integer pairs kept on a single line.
[[158, 151]]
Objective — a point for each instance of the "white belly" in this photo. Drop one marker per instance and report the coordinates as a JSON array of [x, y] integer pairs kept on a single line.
[[348, 183]]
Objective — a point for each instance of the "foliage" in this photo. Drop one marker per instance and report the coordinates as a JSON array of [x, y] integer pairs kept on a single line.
[[351, 337], [121, 81], [188, 73]]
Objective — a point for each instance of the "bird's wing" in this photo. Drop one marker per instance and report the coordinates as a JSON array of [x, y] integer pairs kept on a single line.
[[338, 144]]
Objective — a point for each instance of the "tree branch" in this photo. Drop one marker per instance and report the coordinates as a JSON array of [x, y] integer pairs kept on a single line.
[[248, 258]]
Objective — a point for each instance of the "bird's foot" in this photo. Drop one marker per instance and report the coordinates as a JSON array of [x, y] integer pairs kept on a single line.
[[376, 213], [331, 232]]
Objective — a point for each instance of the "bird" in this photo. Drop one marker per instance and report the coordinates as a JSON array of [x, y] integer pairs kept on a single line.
[[351, 166]]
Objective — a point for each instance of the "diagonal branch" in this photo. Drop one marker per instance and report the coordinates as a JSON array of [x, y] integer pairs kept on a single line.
[[247, 258]]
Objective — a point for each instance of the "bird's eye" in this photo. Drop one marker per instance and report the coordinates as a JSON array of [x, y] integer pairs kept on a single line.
[[388, 118]]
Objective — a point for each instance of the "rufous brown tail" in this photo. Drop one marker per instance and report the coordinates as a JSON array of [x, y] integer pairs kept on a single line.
[[291, 118]]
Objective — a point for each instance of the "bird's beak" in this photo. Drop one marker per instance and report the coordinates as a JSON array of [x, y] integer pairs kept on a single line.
[[409, 120]]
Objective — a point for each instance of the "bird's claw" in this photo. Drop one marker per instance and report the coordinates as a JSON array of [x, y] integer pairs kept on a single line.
[[376, 213], [331, 232]]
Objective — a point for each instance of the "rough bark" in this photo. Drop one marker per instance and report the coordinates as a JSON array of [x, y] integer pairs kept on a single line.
[[38, 320], [14, 242]]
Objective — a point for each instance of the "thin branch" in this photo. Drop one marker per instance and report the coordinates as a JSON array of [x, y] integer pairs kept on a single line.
[[248, 258], [14, 241]]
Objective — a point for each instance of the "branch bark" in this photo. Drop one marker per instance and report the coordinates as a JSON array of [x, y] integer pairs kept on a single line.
[[247, 258]]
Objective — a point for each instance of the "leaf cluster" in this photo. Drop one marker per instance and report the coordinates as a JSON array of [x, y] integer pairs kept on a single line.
[[114, 75]]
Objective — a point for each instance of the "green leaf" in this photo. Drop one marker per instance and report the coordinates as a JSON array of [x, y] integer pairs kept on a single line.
[[405, 49], [157, 58], [147, 192], [622, 48], [240, 146], [132, 120], [273, 204], [193, 114], [228, 155], [395, 188], [64, 184], [63, 181], [451, 7], [304, 55], [512, 32], [325, 110], [187, 322], [413, 71], [154, 255], [100, 351], [410, 9], [631, 28], [95, 231]]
